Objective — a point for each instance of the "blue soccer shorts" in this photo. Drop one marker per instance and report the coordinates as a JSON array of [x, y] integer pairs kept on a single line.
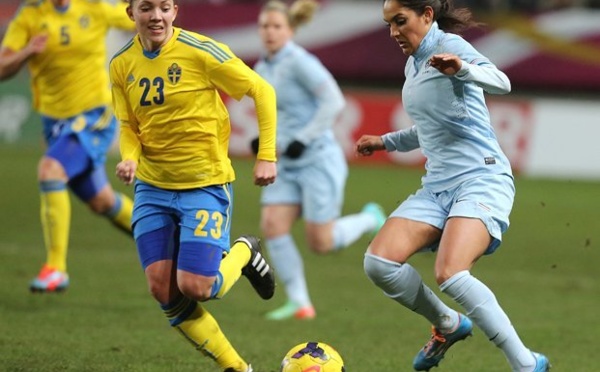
[[80, 144], [191, 227]]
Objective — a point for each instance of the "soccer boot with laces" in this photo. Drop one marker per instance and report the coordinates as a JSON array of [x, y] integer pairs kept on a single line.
[[542, 364], [49, 280], [433, 352], [258, 271], [292, 310]]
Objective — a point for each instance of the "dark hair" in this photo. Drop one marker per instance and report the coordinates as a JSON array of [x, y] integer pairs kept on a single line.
[[449, 19]]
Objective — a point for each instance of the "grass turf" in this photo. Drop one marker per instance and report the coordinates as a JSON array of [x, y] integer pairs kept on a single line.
[[545, 275]]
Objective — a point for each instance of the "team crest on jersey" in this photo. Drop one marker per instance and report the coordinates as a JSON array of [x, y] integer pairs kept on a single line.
[[84, 21], [174, 73], [130, 79]]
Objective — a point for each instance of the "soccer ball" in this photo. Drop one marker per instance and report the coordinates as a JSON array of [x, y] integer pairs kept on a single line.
[[312, 357]]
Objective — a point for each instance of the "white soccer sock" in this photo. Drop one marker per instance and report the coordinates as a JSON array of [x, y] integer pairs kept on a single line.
[[483, 308], [289, 268], [348, 229], [403, 284]]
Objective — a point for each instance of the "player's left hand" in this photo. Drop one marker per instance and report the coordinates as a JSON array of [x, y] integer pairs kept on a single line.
[[126, 171], [447, 64], [265, 172]]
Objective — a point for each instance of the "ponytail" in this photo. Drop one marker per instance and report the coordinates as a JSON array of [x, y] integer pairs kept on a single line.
[[298, 14], [453, 20], [449, 19]]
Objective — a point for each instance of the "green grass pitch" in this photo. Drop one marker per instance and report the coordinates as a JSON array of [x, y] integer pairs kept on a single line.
[[546, 275]]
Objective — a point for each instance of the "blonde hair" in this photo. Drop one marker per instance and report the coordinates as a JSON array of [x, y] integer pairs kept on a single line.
[[298, 14]]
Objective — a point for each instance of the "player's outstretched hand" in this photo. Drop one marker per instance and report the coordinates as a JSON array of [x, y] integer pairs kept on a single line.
[[126, 171], [447, 64], [265, 172], [368, 144]]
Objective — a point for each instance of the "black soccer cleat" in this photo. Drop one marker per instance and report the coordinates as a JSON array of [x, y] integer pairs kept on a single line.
[[258, 271]]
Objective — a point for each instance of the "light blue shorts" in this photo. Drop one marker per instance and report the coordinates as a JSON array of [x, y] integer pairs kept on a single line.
[[487, 198], [202, 215], [318, 188]]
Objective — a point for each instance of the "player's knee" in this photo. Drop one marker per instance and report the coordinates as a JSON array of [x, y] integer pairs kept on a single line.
[[102, 203], [51, 169], [196, 290], [380, 271], [444, 273], [160, 291], [320, 244], [272, 228]]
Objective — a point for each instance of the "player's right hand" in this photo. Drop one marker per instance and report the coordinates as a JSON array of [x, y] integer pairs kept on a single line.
[[126, 171], [37, 44]]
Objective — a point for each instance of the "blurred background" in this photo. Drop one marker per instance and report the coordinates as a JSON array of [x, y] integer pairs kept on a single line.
[[546, 275], [549, 49]]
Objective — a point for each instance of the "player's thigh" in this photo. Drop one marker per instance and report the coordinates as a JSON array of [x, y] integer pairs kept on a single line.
[[286, 190], [400, 238], [92, 187], [319, 236], [323, 186], [205, 222], [80, 142], [488, 199], [65, 157], [152, 209], [416, 225], [278, 219], [156, 237], [463, 242]]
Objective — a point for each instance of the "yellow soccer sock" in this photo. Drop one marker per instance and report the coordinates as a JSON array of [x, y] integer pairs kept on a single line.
[[55, 213], [199, 327], [231, 267], [120, 214]]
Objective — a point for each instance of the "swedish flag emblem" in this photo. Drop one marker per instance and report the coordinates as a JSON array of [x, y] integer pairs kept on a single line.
[[174, 73]]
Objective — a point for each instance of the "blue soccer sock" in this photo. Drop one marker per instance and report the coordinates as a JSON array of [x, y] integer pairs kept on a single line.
[[483, 308], [289, 268], [348, 229], [403, 284]]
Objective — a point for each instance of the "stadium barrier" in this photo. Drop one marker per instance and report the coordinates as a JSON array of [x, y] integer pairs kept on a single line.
[[542, 137]]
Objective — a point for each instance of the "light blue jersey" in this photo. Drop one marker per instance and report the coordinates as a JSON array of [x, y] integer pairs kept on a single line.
[[451, 121], [308, 103]]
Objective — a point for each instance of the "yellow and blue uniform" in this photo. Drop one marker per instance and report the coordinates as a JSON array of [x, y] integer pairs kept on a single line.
[[69, 81], [175, 126], [169, 104], [69, 77], [70, 90]]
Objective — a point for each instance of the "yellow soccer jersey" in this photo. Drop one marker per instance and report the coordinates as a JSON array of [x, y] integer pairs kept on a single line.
[[173, 121], [70, 76]]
